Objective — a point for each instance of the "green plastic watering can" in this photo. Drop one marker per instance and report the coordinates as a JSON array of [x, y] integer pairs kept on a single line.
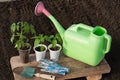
[[80, 41]]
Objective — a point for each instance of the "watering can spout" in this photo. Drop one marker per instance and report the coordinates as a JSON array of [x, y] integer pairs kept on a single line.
[[59, 28], [41, 9]]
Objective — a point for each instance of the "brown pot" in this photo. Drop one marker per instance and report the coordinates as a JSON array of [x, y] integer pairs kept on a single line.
[[24, 55]]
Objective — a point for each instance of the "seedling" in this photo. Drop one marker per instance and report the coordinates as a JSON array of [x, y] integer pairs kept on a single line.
[[20, 31], [40, 39], [54, 40]]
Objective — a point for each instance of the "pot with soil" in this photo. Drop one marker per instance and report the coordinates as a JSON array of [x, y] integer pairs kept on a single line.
[[20, 38], [54, 52], [39, 46], [24, 54], [55, 46], [40, 51]]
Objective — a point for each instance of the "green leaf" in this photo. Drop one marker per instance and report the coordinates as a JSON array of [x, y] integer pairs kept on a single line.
[[54, 42], [42, 40], [27, 45], [22, 44], [13, 28], [20, 23], [42, 48], [59, 39], [32, 29], [24, 37], [26, 27], [51, 36], [40, 35], [47, 39], [34, 37], [18, 27], [18, 44], [36, 42], [12, 38]]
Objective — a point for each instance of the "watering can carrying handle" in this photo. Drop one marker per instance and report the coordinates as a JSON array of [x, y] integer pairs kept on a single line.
[[83, 26], [108, 38]]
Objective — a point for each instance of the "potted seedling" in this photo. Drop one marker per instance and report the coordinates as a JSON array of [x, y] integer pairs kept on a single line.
[[39, 47], [20, 39], [55, 47]]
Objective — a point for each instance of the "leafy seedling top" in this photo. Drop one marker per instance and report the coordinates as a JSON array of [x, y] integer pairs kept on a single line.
[[20, 34], [40, 39], [55, 39]]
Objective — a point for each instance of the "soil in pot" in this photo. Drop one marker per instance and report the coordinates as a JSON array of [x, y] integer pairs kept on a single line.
[[40, 48], [55, 48]]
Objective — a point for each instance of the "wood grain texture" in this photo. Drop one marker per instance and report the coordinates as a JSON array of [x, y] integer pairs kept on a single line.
[[77, 68]]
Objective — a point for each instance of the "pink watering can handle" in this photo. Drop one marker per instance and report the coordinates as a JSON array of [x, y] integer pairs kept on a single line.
[[108, 43]]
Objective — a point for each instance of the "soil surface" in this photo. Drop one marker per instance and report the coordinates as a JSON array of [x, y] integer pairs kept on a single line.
[[55, 48], [67, 12]]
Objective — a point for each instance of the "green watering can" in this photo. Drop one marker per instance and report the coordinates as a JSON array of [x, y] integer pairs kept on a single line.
[[81, 42]]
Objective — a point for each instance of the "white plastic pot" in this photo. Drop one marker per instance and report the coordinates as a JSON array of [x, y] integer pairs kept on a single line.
[[40, 54], [54, 54]]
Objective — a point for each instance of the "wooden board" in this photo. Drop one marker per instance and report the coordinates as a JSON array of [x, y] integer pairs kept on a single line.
[[77, 68], [6, 0]]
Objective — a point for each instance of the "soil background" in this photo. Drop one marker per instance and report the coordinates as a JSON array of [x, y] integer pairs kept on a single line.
[[91, 12]]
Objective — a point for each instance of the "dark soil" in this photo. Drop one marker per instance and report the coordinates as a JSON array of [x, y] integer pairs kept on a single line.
[[91, 12], [55, 48], [41, 48]]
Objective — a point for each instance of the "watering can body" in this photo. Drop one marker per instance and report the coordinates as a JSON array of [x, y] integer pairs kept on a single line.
[[86, 44], [81, 42]]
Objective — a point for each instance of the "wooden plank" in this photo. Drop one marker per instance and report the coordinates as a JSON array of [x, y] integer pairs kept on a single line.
[[6, 0], [77, 68], [94, 77]]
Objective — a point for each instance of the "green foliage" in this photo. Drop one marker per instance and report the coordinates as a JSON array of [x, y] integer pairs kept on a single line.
[[55, 39], [20, 32], [40, 39]]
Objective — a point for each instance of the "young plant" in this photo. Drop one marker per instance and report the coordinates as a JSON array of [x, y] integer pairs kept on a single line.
[[55, 39], [20, 32], [40, 39]]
